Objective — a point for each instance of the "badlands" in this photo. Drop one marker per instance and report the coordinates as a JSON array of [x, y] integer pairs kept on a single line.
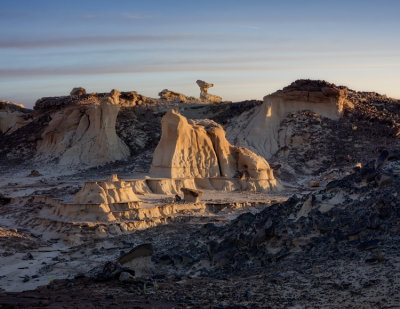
[[121, 200]]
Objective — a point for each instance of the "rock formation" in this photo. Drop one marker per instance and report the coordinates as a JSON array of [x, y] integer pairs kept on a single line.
[[112, 190], [84, 135], [78, 91], [13, 116], [172, 96], [191, 195], [204, 96], [259, 129], [199, 149]]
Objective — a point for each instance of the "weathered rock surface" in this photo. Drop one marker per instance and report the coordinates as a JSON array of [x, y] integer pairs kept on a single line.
[[112, 190], [84, 136], [259, 130], [172, 96], [191, 195], [199, 149], [204, 95], [13, 116]]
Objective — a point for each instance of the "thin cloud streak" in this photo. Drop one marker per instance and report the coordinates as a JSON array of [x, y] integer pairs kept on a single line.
[[135, 16], [92, 40], [7, 73], [122, 69]]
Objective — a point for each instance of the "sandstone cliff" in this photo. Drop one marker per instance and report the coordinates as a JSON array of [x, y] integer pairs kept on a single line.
[[199, 149]]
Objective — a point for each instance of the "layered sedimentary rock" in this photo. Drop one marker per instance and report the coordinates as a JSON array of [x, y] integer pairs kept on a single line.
[[13, 116], [259, 129], [199, 149], [204, 95], [84, 135], [112, 190]]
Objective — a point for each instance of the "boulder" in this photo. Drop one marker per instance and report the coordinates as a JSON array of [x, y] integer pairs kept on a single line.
[[191, 195], [34, 173], [78, 91], [138, 259]]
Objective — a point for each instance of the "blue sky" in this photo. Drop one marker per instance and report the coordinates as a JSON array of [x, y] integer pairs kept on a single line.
[[246, 48]]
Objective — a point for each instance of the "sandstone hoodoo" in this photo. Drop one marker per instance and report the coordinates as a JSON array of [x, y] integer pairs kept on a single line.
[[84, 135], [204, 95], [259, 129], [199, 149]]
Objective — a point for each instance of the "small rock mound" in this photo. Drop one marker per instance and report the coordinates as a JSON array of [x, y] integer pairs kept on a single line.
[[172, 96], [78, 91]]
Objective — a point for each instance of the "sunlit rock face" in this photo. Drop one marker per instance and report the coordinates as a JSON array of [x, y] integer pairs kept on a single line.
[[84, 135], [259, 130], [111, 190], [199, 149]]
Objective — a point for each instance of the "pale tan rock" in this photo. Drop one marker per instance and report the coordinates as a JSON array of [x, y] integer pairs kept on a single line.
[[204, 95], [84, 135], [115, 94], [13, 116], [78, 91], [110, 191], [259, 129], [172, 96], [199, 149]]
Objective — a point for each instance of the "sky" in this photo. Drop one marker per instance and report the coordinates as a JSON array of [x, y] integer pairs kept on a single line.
[[246, 48]]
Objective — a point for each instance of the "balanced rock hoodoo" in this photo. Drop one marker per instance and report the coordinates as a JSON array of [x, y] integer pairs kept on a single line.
[[204, 95]]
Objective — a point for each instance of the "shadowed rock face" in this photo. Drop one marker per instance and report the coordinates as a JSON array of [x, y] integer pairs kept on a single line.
[[199, 149], [13, 116], [84, 135], [259, 130]]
